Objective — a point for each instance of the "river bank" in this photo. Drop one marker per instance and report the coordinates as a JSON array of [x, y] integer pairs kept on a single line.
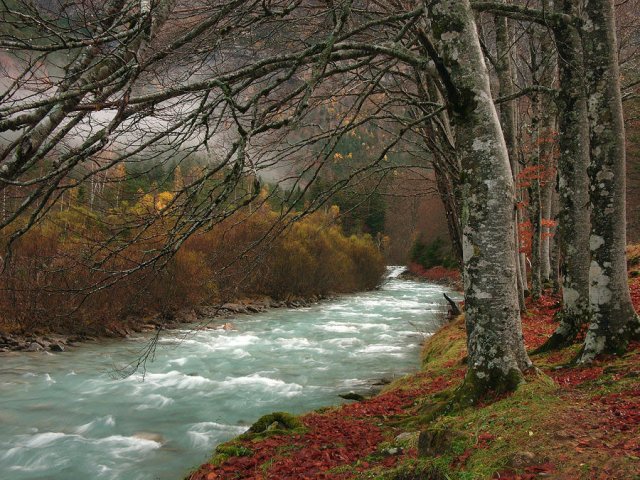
[[84, 414], [566, 422], [203, 316], [207, 316]]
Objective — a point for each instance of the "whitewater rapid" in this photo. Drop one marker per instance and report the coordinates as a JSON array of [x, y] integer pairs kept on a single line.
[[71, 415]]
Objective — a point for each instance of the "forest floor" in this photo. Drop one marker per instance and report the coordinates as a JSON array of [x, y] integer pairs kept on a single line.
[[566, 422]]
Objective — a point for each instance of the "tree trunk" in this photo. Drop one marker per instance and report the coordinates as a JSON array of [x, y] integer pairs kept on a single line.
[[494, 335], [573, 194], [508, 120], [535, 206], [614, 319], [548, 188], [446, 192]]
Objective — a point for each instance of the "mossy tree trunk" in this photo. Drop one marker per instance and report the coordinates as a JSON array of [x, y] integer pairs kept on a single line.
[[614, 320], [495, 345], [573, 216]]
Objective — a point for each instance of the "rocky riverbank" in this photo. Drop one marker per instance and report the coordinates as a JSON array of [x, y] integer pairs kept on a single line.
[[208, 316]]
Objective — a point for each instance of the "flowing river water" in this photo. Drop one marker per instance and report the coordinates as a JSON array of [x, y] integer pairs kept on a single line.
[[69, 415]]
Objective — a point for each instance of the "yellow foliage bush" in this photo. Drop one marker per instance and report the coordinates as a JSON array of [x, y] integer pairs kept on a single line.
[[65, 276]]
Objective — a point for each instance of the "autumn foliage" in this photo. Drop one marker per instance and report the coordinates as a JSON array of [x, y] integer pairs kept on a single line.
[[70, 273], [435, 274]]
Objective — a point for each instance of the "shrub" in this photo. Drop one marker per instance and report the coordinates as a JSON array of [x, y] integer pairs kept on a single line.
[[65, 275], [436, 253]]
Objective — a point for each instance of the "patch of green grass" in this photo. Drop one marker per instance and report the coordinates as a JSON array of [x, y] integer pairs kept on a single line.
[[276, 423], [227, 450], [446, 347]]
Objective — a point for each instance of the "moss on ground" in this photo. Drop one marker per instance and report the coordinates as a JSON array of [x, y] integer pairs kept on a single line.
[[564, 422]]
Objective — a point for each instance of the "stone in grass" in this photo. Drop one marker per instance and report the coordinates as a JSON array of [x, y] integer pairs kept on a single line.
[[407, 439], [525, 459], [390, 451], [275, 421]]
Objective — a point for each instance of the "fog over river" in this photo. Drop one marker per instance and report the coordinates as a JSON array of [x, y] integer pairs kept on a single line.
[[68, 416]]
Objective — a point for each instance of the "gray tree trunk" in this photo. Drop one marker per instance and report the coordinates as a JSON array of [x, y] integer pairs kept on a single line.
[[573, 193], [535, 203], [614, 319], [555, 244], [494, 335], [547, 232], [508, 120], [543, 61]]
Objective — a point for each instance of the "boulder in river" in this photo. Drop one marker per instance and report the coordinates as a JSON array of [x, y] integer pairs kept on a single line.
[[154, 437]]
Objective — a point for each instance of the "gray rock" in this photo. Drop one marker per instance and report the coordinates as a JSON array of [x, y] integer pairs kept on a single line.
[[381, 382], [56, 347], [34, 347], [352, 396], [234, 307], [392, 451], [525, 459], [407, 437]]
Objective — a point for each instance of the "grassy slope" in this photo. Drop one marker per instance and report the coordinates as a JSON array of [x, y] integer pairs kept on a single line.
[[564, 423]]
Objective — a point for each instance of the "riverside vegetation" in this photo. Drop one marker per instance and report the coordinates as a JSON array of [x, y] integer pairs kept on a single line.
[[47, 290], [567, 422]]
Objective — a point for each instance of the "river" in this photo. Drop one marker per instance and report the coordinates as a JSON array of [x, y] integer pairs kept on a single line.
[[70, 416]]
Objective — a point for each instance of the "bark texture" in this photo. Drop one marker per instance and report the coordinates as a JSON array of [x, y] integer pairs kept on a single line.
[[495, 345], [508, 120], [573, 189], [614, 319]]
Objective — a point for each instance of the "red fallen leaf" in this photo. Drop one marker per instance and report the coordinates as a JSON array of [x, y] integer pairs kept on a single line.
[[483, 439], [462, 459], [571, 377], [542, 468], [390, 461]]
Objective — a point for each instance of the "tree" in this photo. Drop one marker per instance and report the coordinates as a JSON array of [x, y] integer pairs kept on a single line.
[[614, 319], [146, 81], [574, 223], [497, 356]]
